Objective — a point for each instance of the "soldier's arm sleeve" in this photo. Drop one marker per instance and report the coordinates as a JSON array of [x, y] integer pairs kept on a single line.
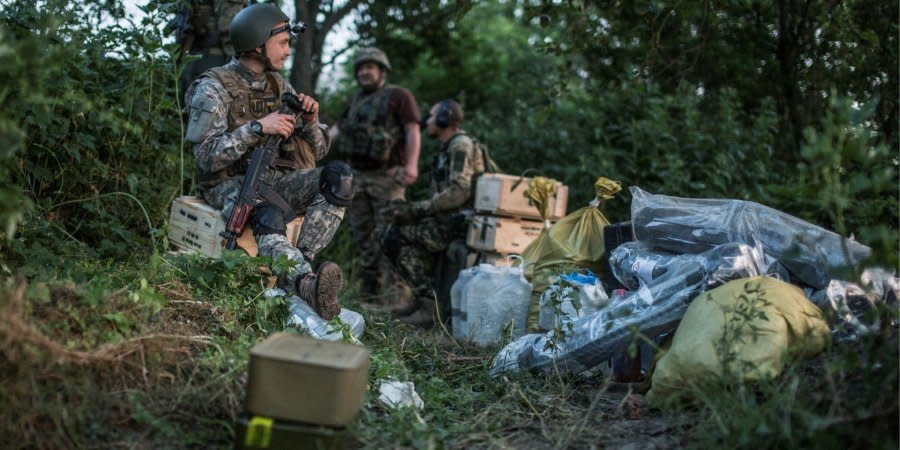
[[314, 133], [214, 147], [459, 186]]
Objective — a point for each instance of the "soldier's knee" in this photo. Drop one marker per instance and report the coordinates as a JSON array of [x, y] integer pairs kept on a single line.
[[268, 219], [336, 183], [394, 241]]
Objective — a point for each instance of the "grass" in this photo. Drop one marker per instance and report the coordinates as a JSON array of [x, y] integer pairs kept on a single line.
[[152, 353]]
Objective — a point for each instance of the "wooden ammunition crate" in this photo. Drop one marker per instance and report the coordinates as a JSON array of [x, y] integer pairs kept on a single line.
[[196, 226], [503, 195], [502, 234]]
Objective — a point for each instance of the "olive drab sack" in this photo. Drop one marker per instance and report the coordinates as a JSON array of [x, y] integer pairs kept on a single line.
[[576, 240], [714, 338]]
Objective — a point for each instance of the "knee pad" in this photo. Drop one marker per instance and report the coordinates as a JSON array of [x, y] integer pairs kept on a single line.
[[394, 241], [268, 219], [336, 183]]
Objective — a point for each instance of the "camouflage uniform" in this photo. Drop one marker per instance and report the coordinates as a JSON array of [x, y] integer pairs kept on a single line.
[[222, 103], [411, 247], [202, 31], [373, 140]]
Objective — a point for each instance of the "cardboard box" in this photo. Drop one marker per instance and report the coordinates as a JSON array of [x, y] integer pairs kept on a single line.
[[256, 432], [502, 234], [301, 379], [196, 226], [503, 195]]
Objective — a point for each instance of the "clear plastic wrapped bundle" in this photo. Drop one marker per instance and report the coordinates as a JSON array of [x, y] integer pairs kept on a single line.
[[636, 263], [687, 225], [852, 308], [654, 308]]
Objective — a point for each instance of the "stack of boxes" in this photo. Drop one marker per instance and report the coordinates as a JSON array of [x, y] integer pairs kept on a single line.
[[506, 220], [302, 393]]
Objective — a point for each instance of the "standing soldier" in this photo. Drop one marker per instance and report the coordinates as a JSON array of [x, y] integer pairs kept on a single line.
[[425, 227], [379, 135], [233, 109], [201, 29]]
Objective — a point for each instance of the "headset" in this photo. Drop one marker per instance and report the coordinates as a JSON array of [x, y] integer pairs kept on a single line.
[[442, 119]]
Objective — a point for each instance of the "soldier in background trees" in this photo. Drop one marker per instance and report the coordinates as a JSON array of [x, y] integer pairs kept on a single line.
[[379, 135]]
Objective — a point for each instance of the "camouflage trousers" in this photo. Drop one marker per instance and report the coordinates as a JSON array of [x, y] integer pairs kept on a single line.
[[412, 247], [369, 218], [300, 189]]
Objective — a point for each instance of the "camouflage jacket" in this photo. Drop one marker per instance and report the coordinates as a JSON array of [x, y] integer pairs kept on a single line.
[[223, 101], [453, 173]]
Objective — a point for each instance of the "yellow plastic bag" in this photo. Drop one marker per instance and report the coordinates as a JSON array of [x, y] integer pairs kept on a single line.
[[715, 336]]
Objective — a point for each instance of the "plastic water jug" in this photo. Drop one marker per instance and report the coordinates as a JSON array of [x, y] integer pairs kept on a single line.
[[495, 297], [458, 302]]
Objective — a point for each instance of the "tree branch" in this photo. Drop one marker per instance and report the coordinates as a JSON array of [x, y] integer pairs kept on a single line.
[[339, 14]]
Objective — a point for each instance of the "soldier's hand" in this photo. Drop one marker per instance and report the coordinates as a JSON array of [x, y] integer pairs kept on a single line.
[[410, 174], [277, 123], [309, 104]]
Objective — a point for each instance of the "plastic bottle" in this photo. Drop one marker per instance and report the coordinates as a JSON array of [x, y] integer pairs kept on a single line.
[[494, 297], [458, 302]]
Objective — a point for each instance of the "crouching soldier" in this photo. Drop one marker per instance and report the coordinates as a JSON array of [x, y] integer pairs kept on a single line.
[[425, 227], [235, 108]]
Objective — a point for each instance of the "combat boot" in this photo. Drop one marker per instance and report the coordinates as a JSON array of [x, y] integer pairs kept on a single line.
[[320, 289], [422, 317], [404, 309]]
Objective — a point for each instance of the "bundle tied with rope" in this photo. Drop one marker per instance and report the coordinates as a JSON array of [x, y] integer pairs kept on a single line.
[[574, 242]]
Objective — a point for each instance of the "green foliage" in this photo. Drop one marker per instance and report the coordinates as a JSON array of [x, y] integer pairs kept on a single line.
[[95, 137]]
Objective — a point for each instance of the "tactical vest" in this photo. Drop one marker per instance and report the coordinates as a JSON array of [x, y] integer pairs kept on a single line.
[[440, 167], [210, 20], [246, 105], [370, 135]]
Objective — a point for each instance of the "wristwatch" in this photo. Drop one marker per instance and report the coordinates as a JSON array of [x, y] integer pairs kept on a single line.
[[256, 127]]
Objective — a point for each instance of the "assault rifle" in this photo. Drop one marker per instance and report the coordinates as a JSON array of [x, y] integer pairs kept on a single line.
[[254, 187]]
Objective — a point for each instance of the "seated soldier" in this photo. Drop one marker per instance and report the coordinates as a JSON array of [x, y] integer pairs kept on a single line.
[[233, 109], [425, 227]]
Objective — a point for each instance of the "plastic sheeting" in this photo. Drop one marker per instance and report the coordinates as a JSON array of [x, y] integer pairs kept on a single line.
[[686, 225], [654, 308], [305, 319], [852, 308], [635, 263], [570, 297]]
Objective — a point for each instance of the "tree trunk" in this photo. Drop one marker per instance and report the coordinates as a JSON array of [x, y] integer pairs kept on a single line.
[[309, 47]]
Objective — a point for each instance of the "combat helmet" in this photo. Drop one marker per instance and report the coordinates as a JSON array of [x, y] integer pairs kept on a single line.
[[252, 26], [371, 54]]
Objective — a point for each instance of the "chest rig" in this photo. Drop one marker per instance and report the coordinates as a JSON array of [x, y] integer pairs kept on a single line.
[[445, 166], [369, 132], [249, 103]]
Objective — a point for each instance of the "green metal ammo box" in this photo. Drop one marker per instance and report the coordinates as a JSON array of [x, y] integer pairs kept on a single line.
[[300, 379]]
